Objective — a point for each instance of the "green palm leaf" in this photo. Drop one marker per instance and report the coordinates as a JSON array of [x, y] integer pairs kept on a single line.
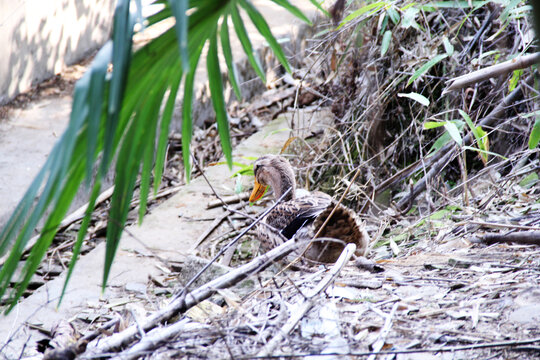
[[246, 43], [116, 115], [216, 91], [264, 29], [227, 54]]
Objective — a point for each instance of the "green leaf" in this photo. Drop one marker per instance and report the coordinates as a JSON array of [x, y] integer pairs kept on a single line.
[[179, 8], [454, 132], [32, 207], [514, 80], [127, 119], [425, 68], [467, 119], [227, 54], [509, 6], [294, 10], [529, 180], [485, 152], [364, 9], [150, 116], [164, 129], [445, 138], [246, 43], [385, 43], [457, 4], [127, 169], [187, 104], [122, 34], [479, 134], [483, 143], [187, 126], [263, 28], [98, 72], [433, 124], [448, 47], [534, 138], [40, 247], [393, 14], [80, 235], [409, 18], [416, 97], [218, 102]]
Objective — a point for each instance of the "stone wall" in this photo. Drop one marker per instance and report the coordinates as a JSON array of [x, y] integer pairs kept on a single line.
[[39, 38]]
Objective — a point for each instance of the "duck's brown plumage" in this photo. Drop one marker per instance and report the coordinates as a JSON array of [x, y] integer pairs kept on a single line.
[[301, 217]]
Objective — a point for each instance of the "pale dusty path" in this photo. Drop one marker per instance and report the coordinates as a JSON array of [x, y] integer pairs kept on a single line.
[[27, 137]]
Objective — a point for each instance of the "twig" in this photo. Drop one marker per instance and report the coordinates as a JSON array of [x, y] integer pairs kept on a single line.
[[523, 237], [309, 301], [72, 349], [154, 339], [519, 62], [232, 199], [212, 227], [183, 303], [379, 343], [498, 225], [485, 25]]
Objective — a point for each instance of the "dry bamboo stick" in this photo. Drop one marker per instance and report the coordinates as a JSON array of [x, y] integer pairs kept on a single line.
[[379, 343], [155, 338], [519, 62], [308, 302], [191, 299]]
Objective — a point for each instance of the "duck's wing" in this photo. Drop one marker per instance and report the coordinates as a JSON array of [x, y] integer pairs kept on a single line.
[[291, 216]]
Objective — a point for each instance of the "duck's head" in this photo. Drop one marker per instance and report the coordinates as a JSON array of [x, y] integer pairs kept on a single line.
[[274, 171]]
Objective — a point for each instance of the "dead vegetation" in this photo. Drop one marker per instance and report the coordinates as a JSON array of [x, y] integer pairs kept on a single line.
[[433, 287]]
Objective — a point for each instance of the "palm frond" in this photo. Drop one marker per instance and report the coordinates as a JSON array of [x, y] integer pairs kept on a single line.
[[116, 115]]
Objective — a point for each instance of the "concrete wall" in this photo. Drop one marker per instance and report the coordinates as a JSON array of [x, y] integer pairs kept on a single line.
[[38, 38]]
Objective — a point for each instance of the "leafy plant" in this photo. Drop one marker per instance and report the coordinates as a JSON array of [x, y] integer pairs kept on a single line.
[[453, 132], [534, 138], [115, 115]]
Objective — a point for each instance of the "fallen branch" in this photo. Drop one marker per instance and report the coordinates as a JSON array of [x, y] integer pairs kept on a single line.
[[155, 338], [519, 62], [178, 305], [523, 237], [308, 302]]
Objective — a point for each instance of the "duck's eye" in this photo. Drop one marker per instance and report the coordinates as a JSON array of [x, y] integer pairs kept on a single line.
[[256, 168]]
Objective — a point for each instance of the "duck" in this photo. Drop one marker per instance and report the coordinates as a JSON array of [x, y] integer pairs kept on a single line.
[[300, 215]]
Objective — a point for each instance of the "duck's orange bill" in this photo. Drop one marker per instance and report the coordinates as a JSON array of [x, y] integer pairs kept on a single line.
[[258, 192]]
